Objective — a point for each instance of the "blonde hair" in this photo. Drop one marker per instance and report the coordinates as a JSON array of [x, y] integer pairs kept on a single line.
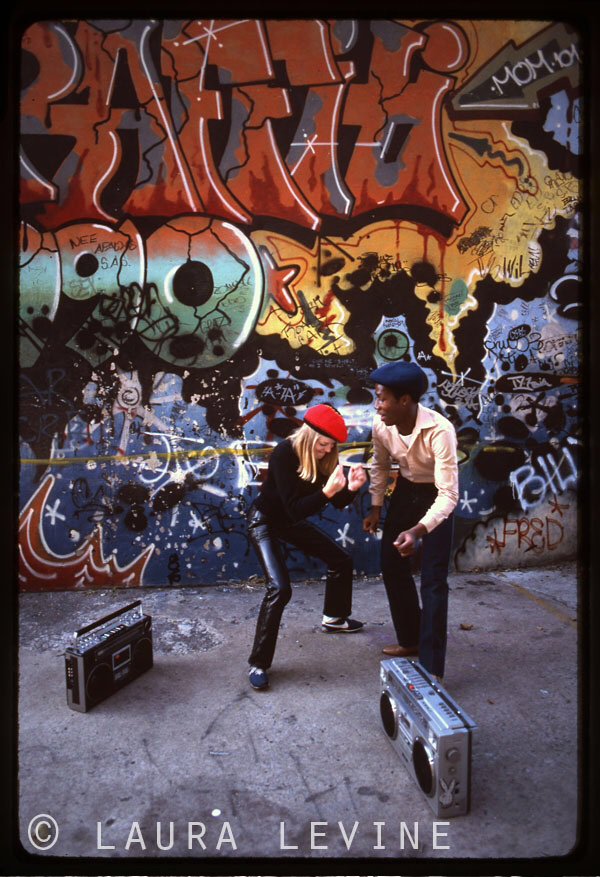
[[304, 440]]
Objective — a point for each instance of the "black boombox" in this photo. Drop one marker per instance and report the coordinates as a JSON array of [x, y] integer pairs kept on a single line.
[[430, 732], [106, 655]]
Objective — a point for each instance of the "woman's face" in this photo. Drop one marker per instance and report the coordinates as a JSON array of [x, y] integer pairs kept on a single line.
[[323, 446]]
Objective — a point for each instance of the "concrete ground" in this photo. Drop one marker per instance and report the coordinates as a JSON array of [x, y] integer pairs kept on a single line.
[[189, 761]]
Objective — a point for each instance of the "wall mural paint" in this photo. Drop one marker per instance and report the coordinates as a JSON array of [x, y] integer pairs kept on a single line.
[[223, 222]]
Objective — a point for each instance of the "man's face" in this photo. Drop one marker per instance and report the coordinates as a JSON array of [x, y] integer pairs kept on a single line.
[[387, 406]]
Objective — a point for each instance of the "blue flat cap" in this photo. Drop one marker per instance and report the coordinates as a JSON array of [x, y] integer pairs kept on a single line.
[[401, 377]]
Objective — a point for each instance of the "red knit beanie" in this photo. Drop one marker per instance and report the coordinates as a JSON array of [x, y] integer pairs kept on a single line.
[[326, 420]]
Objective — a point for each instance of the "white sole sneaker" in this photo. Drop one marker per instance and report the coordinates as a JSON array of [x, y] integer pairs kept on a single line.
[[348, 625]]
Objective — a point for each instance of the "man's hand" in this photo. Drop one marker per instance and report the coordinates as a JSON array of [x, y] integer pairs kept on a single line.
[[371, 522], [408, 541]]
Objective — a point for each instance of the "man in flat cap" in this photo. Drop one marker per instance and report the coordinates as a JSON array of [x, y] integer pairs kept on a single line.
[[423, 444]]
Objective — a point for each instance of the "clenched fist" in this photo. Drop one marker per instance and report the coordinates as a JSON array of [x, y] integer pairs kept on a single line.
[[335, 482], [356, 477]]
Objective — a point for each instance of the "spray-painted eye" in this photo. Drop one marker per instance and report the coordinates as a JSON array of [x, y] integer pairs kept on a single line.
[[392, 345], [39, 291], [97, 260], [105, 264], [86, 265], [204, 291], [193, 283]]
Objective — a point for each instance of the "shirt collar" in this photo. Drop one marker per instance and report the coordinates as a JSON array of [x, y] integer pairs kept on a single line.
[[424, 420]]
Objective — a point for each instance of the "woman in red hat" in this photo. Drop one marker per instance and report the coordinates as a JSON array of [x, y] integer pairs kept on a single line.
[[304, 475]]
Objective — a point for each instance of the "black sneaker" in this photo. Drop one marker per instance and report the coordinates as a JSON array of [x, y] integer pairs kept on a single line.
[[343, 625], [258, 678]]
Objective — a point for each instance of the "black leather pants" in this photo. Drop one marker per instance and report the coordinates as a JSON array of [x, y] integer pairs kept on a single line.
[[266, 535]]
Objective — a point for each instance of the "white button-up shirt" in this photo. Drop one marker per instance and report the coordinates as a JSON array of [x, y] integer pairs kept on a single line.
[[429, 456]]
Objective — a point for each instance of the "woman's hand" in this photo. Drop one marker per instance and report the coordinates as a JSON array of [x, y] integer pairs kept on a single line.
[[335, 482], [356, 477]]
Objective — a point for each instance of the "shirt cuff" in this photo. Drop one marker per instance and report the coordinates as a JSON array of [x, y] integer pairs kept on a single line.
[[377, 498], [431, 521]]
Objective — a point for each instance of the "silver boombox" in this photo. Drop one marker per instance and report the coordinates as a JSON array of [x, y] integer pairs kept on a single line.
[[430, 732]]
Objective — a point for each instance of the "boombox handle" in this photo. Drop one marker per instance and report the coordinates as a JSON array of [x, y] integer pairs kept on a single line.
[[466, 720], [106, 618]]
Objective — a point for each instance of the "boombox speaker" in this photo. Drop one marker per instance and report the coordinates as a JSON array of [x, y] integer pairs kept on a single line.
[[106, 655], [430, 733]]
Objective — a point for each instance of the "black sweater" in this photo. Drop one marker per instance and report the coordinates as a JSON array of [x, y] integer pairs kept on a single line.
[[288, 498]]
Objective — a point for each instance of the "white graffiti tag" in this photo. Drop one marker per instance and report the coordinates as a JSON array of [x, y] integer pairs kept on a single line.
[[530, 487]]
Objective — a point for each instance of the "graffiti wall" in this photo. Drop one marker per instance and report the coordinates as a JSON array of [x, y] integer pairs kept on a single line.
[[225, 221]]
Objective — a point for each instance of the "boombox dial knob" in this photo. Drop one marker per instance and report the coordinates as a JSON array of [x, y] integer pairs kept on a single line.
[[453, 755]]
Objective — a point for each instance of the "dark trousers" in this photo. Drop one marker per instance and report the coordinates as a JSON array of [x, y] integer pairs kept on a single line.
[[415, 626], [266, 535]]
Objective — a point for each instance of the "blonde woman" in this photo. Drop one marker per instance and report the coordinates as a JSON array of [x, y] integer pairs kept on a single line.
[[304, 475]]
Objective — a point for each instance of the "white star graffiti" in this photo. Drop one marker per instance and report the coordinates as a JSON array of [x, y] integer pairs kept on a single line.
[[343, 537], [466, 503], [196, 523], [53, 513]]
